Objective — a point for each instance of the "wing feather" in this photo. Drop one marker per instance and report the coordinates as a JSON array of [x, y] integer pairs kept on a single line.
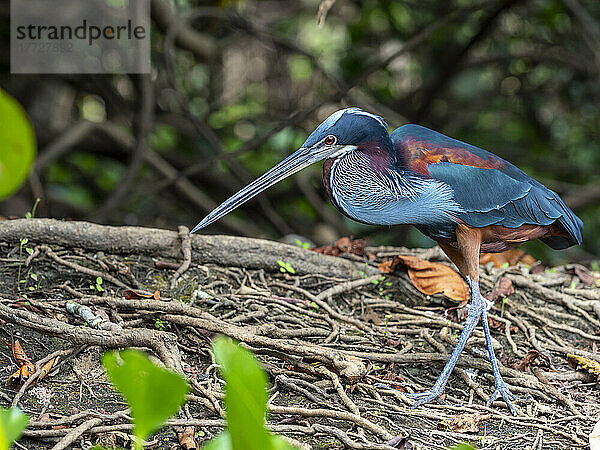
[[490, 190]]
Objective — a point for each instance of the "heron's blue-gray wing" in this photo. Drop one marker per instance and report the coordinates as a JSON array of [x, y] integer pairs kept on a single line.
[[490, 197], [489, 190]]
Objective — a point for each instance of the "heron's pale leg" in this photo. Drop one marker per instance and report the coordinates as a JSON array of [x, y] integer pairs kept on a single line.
[[500, 385], [476, 310], [466, 258]]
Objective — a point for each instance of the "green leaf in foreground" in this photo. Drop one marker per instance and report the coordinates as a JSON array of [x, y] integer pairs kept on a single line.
[[245, 401], [221, 442], [462, 446], [17, 145], [245, 396], [12, 423], [153, 393]]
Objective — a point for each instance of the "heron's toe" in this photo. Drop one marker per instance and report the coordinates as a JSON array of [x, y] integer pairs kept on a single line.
[[421, 398], [502, 390]]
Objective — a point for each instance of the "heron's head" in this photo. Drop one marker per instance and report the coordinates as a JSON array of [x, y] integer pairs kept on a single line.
[[342, 132]]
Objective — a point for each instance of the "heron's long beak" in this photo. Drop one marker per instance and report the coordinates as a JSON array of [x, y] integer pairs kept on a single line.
[[297, 161]]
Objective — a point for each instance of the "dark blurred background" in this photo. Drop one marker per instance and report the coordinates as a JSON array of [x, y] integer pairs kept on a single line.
[[237, 86]]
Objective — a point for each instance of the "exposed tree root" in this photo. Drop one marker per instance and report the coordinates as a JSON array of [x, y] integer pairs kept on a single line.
[[340, 346], [163, 344], [222, 250]]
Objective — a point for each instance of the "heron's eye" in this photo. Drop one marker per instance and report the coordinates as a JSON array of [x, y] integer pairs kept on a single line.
[[330, 140]]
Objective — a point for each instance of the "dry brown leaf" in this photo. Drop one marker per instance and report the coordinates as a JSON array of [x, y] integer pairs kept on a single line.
[[387, 266], [463, 423], [504, 288], [391, 342], [26, 305], [537, 269], [166, 265], [389, 377], [581, 362], [371, 316], [584, 275], [533, 358], [511, 257], [430, 278], [459, 312], [347, 246], [19, 354], [22, 374], [45, 369], [27, 369], [131, 294], [186, 438], [400, 442]]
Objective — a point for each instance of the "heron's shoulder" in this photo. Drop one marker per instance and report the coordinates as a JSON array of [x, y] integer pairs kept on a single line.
[[418, 147]]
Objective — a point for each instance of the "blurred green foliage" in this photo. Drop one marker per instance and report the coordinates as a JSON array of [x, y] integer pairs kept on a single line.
[[517, 78], [154, 394], [245, 401], [12, 423], [17, 145]]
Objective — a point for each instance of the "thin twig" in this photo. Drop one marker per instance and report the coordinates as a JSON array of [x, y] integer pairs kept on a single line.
[[186, 249]]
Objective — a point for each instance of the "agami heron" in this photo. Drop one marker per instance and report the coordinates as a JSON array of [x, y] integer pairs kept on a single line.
[[463, 197]]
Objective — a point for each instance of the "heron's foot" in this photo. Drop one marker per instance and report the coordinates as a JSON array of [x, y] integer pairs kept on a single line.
[[502, 390], [421, 398]]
